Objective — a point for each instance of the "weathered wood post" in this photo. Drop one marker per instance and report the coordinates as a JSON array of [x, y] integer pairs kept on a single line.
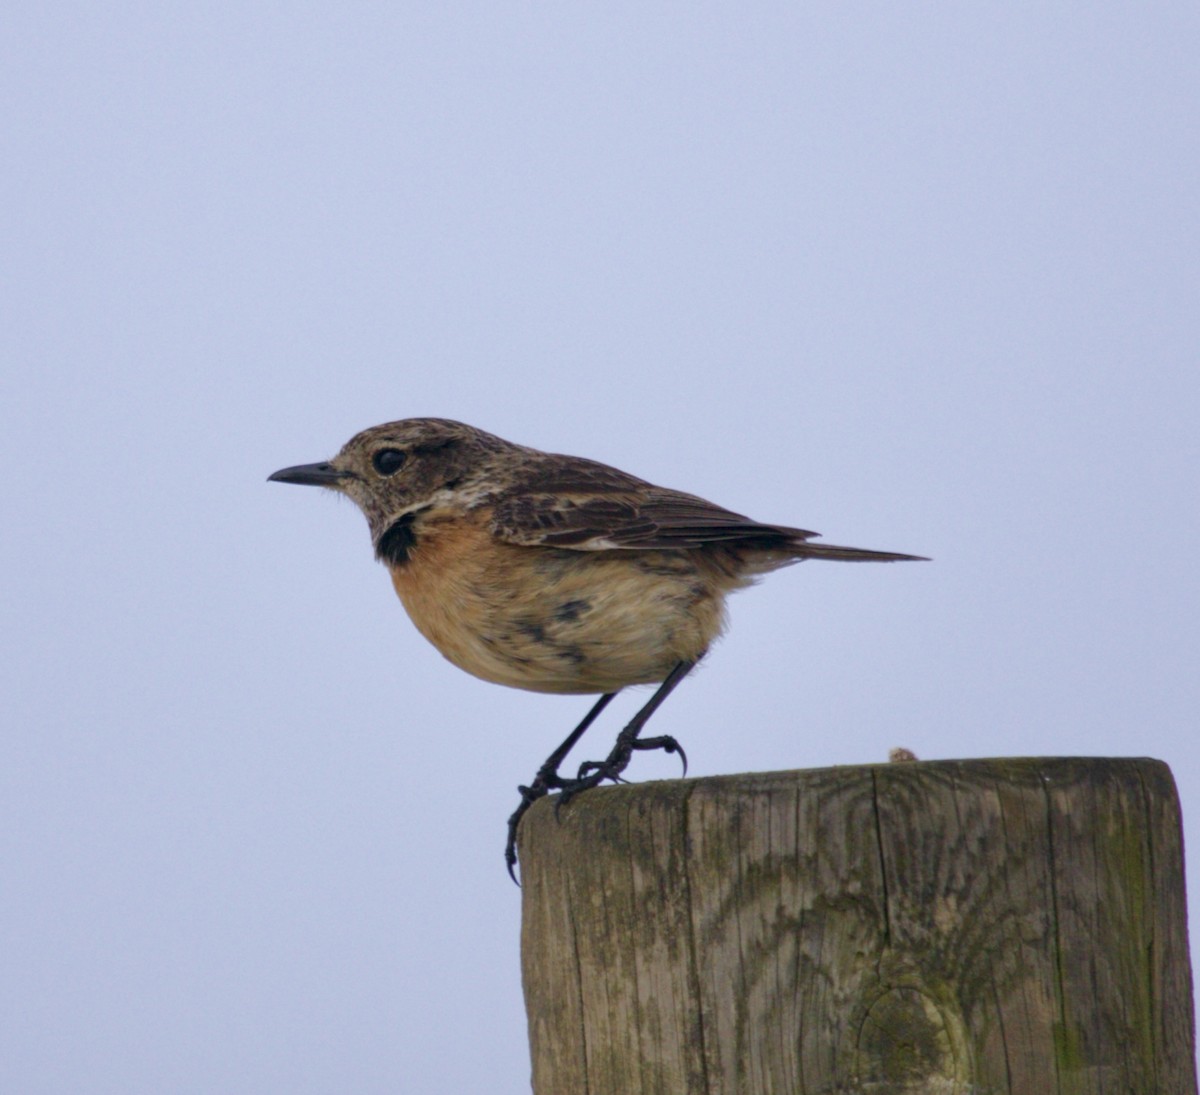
[[1004, 926]]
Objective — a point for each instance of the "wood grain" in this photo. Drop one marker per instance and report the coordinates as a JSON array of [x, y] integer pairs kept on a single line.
[[1014, 927]]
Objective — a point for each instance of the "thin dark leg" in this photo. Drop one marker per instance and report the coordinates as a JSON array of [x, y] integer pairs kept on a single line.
[[594, 772], [546, 780]]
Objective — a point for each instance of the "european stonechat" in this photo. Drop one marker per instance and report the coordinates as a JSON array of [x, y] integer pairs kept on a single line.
[[554, 573]]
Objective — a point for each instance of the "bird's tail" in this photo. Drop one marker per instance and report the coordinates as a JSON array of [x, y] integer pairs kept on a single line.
[[809, 550]]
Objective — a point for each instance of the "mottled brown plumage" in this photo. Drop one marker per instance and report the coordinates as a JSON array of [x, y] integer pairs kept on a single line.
[[553, 573]]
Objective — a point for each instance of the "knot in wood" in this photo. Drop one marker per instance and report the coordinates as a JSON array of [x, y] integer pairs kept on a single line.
[[908, 1038]]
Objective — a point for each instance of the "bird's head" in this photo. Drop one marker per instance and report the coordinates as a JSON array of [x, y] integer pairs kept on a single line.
[[395, 470]]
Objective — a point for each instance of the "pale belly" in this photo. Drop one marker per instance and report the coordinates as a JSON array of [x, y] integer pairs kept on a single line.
[[553, 620]]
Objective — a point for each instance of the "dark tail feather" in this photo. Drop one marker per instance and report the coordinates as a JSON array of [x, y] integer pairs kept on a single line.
[[808, 550]]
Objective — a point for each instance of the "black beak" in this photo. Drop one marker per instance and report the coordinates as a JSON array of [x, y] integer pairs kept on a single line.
[[313, 475]]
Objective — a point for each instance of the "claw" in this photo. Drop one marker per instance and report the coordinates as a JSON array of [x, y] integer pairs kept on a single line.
[[529, 795], [667, 744], [510, 847], [672, 746]]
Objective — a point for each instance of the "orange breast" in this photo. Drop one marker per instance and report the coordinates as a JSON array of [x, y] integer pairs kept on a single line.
[[554, 620], [442, 589]]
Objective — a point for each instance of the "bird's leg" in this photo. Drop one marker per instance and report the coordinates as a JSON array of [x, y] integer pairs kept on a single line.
[[547, 779], [594, 772]]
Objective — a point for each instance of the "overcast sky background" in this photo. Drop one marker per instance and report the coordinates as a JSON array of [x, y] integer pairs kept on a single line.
[[921, 277]]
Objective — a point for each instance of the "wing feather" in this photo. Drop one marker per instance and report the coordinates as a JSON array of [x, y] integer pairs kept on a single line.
[[586, 506]]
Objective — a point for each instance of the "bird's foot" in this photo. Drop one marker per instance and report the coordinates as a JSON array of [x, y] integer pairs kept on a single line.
[[544, 782], [618, 760], [594, 772]]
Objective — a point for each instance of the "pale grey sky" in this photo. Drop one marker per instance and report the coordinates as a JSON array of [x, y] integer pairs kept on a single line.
[[923, 278]]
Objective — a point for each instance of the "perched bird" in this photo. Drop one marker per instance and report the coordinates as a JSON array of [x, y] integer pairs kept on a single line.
[[554, 573]]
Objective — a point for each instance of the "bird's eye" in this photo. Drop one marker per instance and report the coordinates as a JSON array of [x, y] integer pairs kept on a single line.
[[388, 461]]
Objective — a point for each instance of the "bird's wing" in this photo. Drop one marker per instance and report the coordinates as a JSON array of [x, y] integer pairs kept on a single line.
[[586, 506]]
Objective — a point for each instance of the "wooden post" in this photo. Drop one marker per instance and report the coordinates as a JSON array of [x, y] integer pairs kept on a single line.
[[959, 928]]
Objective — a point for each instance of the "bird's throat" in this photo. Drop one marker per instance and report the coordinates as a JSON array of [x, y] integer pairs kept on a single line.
[[396, 543]]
